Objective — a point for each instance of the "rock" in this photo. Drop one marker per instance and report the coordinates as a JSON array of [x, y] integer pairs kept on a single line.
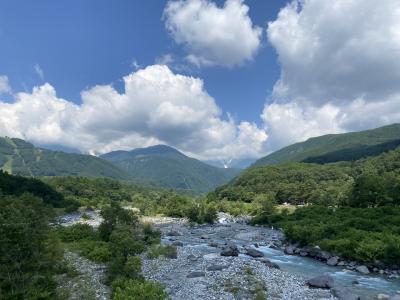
[[213, 244], [256, 245], [177, 244], [333, 261], [271, 264], [362, 270], [323, 282], [204, 237], [290, 249], [254, 253], [341, 263], [344, 294], [173, 233], [324, 255], [303, 253], [383, 297], [230, 250], [191, 257], [216, 268], [196, 274], [355, 282]]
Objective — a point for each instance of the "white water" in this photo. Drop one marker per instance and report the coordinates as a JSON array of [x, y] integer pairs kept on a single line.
[[369, 285]]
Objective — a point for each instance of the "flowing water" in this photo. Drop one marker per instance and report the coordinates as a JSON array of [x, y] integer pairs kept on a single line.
[[368, 285]]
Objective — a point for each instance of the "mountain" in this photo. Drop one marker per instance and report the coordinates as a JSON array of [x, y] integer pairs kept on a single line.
[[22, 158], [337, 147], [234, 164], [168, 168]]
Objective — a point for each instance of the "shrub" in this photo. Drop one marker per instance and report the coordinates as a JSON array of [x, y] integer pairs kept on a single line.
[[128, 289], [167, 251], [77, 232]]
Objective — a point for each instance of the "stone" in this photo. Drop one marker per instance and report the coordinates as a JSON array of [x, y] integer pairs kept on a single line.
[[322, 281], [344, 294], [254, 253], [290, 249], [230, 250], [383, 297], [173, 233], [196, 274], [333, 261], [191, 257], [177, 244], [303, 253], [271, 264], [362, 270], [216, 267], [204, 237], [213, 244]]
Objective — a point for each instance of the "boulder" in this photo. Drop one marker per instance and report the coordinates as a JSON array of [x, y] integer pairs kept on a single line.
[[362, 270], [196, 274], [177, 244], [383, 297], [333, 261], [213, 244], [204, 237], [290, 249], [254, 253], [303, 253], [216, 268], [344, 294], [322, 282], [230, 250], [173, 233], [271, 264]]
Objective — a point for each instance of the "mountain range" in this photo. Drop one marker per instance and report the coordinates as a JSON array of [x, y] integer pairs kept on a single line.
[[159, 166], [167, 167], [337, 147]]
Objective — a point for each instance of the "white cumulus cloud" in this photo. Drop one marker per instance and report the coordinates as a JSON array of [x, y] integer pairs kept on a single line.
[[340, 68], [212, 35], [158, 106]]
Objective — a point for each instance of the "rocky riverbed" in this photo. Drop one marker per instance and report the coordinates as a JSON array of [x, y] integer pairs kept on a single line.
[[201, 272]]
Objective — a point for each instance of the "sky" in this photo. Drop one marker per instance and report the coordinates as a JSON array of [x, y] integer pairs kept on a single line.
[[218, 80]]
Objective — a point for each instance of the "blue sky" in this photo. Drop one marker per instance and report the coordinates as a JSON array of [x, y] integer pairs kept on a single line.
[[220, 80], [79, 44]]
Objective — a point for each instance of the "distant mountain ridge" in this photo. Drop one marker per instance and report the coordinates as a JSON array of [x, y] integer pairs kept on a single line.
[[337, 147], [22, 158], [170, 168]]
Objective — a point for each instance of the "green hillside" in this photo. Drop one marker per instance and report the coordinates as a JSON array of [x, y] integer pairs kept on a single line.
[[337, 147], [327, 184], [168, 168], [22, 158]]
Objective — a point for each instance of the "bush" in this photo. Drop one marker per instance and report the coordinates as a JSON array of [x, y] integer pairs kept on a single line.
[[166, 251], [77, 232], [128, 289], [97, 251], [202, 213]]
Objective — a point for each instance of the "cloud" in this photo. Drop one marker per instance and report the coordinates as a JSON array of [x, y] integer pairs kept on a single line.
[[211, 34], [337, 51], [157, 106], [4, 85], [339, 68], [39, 71]]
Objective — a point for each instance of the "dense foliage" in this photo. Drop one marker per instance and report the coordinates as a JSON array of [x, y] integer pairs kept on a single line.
[[367, 182], [166, 167], [22, 158], [29, 252], [364, 234], [337, 147]]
